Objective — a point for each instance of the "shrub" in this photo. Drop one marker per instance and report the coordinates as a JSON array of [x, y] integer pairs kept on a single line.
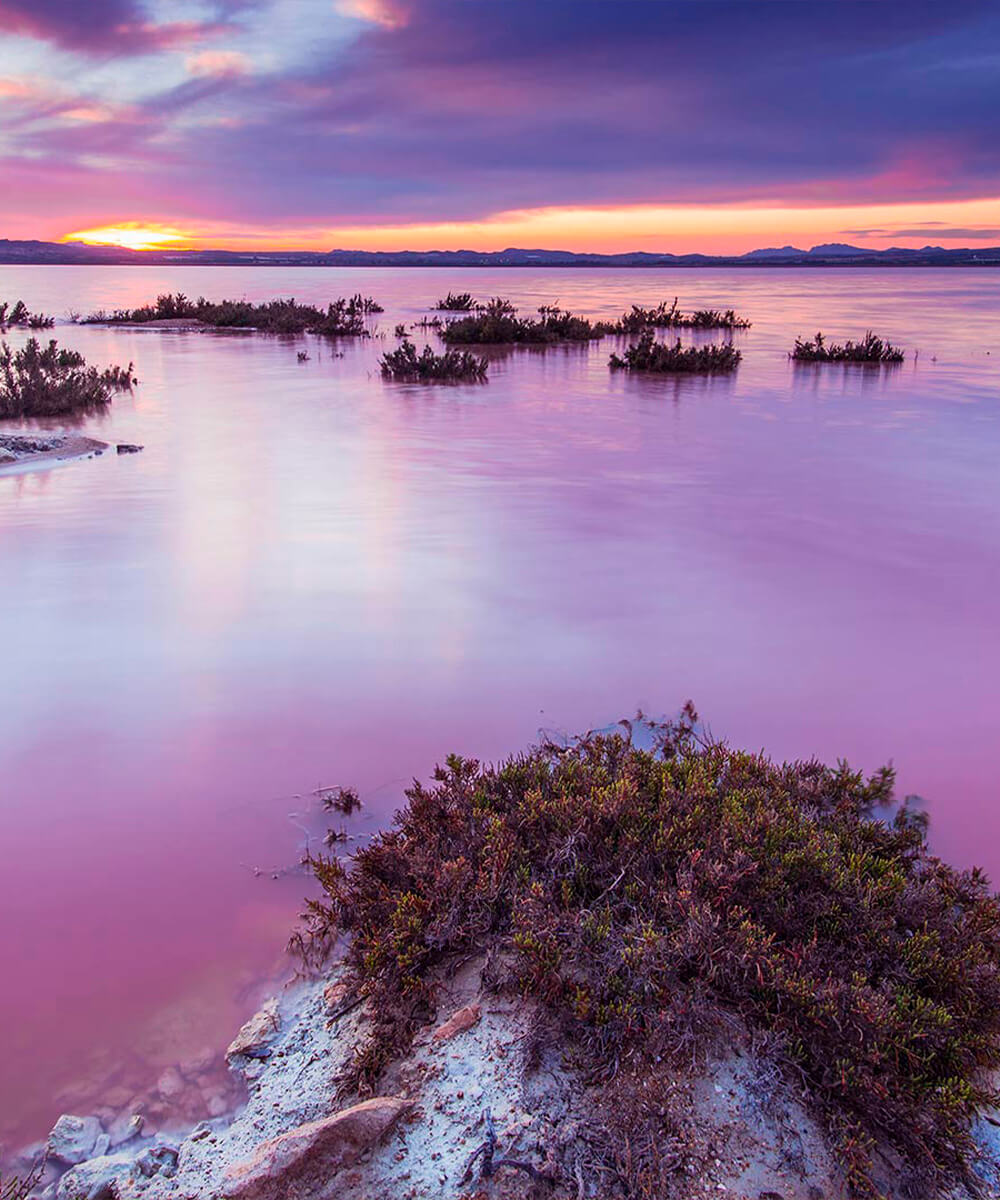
[[405, 363], [20, 314], [646, 897], [21, 1187], [870, 349], [456, 302], [647, 354], [342, 318], [670, 317], [364, 304], [46, 381], [498, 323]]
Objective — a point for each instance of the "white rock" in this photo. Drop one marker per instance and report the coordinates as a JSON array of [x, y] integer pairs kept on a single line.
[[256, 1033], [73, 1138], [125, 1128], [86, 1178]]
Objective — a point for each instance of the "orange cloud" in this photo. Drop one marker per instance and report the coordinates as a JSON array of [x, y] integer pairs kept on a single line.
[[88, 113], [218, 64], [377, 12], [18, 89]]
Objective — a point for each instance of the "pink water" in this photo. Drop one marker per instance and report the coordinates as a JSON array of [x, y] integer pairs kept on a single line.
[[313, 576]]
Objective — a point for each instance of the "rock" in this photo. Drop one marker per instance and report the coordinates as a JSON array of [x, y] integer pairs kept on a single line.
[[334, 994], [170, 1084], [301, 1161], [464, 1019], [101, 1146], [94, 1179], [73, 1138], [158, 1159], [252, 1039], [128, 448], [125, 1128]]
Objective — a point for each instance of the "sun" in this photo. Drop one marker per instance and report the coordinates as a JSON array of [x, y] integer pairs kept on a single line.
[[131, 235]]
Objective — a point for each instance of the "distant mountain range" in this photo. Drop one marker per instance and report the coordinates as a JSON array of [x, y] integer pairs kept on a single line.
[[832, 254]]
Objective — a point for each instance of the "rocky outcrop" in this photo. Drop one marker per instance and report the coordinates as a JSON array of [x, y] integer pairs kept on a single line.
[[96, 1179], [74, 1139], [253, 1038], [485, 1104], [304, 1161]]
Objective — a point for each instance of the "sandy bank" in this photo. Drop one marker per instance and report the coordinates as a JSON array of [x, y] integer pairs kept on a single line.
[[20, 451], [485, 1105]]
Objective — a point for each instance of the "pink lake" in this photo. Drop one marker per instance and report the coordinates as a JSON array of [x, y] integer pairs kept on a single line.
[[312, 576]]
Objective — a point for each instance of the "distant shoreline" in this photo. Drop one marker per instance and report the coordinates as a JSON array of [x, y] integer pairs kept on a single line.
[[832, 255], [515, 266]]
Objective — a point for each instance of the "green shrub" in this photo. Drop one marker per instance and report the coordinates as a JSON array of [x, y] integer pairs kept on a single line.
[[405, 363], [870, 349], [20, 314], [38, 381], [457, 302], [647, 354], [497, 323], [648, 897]]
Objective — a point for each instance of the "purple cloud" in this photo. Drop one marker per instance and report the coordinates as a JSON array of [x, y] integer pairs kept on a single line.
[[446, 109], [101, 26]]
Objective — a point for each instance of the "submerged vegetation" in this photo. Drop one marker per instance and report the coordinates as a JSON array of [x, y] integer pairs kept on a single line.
[[654, 900], [342, 318], [665, 316], [497, 323], [870, 349], [647, 354], [456, 302], [406, 363], [46, 381], [18, 313]]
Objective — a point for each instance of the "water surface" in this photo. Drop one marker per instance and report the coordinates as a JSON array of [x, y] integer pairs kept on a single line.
[[313, 576]]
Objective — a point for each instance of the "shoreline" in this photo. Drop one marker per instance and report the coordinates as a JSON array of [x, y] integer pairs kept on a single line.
[[475, 1072], [25, 452]]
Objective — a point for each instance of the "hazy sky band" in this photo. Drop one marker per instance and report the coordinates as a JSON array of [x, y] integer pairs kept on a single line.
[[390, 121]]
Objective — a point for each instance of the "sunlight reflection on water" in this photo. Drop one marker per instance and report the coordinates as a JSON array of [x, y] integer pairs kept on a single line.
[[313, 576]]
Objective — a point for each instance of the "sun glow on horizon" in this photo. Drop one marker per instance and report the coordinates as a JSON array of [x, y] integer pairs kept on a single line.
[[710, 229], [132, 235]]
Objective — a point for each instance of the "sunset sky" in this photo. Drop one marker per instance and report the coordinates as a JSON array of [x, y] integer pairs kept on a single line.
[[413, 124]]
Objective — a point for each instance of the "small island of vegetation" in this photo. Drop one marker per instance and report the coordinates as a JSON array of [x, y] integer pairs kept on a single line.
[[870, 349], [497, 323], [456, 302], [665, 316], [341, 318], [647, 354], [47, 381], [657, 902], [18, 314], [405, 363]]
